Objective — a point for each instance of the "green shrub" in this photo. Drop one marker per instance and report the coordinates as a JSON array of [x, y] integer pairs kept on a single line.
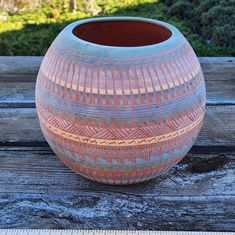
[[209, 25], [169, 2], [217, 27], [205, 5], [182, 9], [224, 35]]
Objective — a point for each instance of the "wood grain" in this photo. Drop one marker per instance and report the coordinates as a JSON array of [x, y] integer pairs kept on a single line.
[[19, 68], [17, 94], [38, 191]]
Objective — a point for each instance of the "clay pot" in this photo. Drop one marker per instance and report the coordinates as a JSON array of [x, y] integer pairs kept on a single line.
[[120, 99]]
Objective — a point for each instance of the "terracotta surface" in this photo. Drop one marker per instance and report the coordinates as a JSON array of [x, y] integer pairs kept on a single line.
[[120, 114], [122, 33]]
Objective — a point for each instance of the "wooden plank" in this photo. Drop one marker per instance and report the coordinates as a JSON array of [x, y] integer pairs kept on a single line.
[[219, 74], [220, 92], [218, 127], [22, 94], [114, 211], [18, 76], [218, 68], [21, 126], [38, 170], [19, 68], [10, 66], [38, 191], [17, 94]]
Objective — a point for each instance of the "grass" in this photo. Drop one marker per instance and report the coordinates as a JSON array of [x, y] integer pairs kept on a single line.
[[30, 32]]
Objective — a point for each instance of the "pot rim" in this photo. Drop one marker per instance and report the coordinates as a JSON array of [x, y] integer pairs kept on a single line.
[[175, 33]]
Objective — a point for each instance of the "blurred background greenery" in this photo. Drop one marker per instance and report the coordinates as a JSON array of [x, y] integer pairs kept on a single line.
[[28, 27]]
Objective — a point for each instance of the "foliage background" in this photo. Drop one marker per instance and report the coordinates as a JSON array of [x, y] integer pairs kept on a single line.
[[27, 27]]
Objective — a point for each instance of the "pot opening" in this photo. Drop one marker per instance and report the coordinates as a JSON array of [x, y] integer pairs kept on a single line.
[[122, 33]]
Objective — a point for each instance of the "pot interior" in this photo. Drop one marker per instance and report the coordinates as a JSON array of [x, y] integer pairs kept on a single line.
[[122, 33]]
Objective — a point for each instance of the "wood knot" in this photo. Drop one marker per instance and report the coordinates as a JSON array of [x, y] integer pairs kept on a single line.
[[208, 165]]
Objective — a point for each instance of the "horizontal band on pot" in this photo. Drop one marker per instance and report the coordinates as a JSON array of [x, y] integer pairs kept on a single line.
[[93, 90], [124, 142], [119, 176]]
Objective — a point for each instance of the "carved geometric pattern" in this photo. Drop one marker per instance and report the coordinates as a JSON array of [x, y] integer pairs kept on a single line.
[[118, 119]]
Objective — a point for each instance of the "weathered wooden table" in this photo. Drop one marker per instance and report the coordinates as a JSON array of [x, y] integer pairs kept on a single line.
[[38, 191]]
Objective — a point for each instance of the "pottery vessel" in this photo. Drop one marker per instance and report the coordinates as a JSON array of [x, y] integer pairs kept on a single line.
[[122, 99]]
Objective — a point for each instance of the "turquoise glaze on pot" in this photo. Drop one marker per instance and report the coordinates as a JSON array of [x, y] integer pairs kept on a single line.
[[120, 99]]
